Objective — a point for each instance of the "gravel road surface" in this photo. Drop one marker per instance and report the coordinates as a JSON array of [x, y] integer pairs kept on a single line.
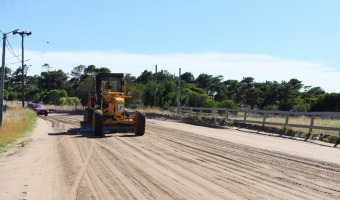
[[171, 161]]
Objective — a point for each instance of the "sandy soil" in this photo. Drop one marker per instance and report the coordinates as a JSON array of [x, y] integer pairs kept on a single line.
[[172, 161]]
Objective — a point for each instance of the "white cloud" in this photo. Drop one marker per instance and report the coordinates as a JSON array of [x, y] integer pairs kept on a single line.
[[231, 66]]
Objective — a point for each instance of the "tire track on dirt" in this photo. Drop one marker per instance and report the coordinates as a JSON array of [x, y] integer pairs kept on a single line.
[[184, 140], [167, 163], [74, 187], [227, 171], [122, 182], [257, 150], [218, 144], [136, 180], [178, 166], [79, 152]]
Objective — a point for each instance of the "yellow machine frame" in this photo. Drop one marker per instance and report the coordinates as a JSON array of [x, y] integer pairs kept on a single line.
[[108, 113]]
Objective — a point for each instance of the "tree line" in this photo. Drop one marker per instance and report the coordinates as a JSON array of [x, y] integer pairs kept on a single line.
[[161, 89]]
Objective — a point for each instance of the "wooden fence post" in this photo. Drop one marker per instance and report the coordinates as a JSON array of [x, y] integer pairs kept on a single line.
[[264, 120], [310, 128], [225, 120], [245, 117], [286, 122], [338, 141]]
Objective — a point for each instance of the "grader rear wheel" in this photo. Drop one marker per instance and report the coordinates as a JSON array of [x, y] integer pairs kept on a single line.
[[140, 124]]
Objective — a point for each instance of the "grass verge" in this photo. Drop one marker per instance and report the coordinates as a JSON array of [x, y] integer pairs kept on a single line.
[[16, 123]]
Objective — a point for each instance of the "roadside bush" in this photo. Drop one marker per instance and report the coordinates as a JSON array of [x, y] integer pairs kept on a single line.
[[54, 96], [12, 96], [199, 118], [225, 104], [301, 108], [271, 107], [332, 139], [287, 131], [6, 94]]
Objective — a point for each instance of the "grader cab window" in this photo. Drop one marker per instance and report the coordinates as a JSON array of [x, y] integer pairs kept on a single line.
[[113, 86]]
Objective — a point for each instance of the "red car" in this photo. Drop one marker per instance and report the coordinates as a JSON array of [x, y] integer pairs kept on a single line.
[[39, 108]]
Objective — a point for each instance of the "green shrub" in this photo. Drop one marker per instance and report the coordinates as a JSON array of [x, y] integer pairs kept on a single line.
[[332, 139]]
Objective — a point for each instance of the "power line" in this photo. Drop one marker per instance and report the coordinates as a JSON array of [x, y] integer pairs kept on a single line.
[[16, 56], [15, 13], [7, 11], [26, 18], [11, 50], [12, 63]]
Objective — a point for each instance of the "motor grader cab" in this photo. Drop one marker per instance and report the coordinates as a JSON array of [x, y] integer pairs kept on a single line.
[[108, 113]]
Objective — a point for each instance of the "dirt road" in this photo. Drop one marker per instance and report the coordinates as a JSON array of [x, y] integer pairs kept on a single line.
[[172, 161]]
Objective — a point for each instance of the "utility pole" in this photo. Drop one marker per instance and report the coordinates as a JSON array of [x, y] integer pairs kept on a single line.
[[22, 34], [2, 83], [179, 92]]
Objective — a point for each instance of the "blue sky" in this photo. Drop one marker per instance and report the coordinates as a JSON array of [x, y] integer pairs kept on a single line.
[[267, 40]]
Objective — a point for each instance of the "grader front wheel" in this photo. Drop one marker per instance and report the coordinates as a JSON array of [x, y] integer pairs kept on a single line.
[[97, 124], [140, 124]]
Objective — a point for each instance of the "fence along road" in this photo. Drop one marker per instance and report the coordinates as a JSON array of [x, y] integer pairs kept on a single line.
[[213, 113]]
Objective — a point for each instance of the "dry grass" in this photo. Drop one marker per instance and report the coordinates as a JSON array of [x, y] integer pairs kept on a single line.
[[156, 110], [16, 123], [302, 120], [335, 123], [299, 120], [66, 108]]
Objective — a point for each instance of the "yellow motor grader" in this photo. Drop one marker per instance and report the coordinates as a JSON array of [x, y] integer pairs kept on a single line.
[[108, 114]]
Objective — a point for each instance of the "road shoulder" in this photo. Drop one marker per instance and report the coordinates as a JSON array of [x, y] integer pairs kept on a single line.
[[319, 152], [28, 172]]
